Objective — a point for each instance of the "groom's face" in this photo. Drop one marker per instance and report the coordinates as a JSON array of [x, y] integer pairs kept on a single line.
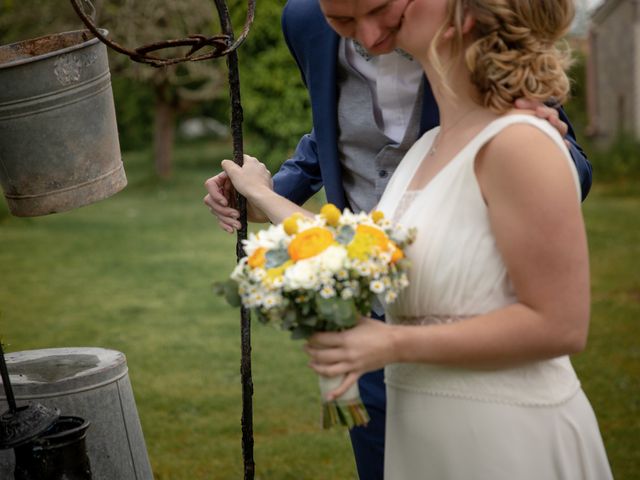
[[373, 23]]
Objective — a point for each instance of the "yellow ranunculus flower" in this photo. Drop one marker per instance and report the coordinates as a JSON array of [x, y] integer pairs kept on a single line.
[[377, 215], [380, 237], [310, 243], [360, 246], [397, 254], [257, 259], [331, 214], [365, 240]]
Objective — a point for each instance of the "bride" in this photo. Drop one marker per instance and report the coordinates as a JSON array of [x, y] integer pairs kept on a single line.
[[476, 349]]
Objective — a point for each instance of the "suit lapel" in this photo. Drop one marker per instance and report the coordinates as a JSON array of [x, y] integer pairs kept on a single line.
[[323, 89]]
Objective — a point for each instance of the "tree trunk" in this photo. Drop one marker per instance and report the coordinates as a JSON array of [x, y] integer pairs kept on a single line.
[[163, 137]]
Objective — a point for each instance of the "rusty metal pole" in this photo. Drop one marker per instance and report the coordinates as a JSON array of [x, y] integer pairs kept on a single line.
[[245, 318], [222, 45]]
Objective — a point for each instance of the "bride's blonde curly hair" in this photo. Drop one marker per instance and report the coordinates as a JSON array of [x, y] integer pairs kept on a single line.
[[516, 52]]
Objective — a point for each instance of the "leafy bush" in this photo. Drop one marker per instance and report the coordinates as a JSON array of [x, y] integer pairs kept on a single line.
[[617, 162], [576, 106], [134, 111], [276, 106]]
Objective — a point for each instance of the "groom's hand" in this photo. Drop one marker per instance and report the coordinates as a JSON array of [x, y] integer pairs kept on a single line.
[[220, 199], [221, 202], [550, 114]]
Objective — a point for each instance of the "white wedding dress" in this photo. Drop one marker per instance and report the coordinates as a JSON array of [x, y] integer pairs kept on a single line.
[[527, 423]]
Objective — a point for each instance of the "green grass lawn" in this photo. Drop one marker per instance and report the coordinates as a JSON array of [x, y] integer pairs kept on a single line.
[[134, 274]]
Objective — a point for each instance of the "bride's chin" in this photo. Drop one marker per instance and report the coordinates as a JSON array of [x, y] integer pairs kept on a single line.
[[403, 42], [399, 41], [403, 46]]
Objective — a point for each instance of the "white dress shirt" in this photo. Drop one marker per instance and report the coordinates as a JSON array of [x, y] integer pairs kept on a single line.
[[394, 80]]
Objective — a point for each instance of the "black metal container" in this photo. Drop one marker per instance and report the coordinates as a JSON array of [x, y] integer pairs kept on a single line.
[[59, 453]]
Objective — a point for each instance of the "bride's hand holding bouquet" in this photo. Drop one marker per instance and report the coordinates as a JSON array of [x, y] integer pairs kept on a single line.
[[320, 274], [349, 354]]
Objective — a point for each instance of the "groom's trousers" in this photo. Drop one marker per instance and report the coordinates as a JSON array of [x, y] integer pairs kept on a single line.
[[368, 441]]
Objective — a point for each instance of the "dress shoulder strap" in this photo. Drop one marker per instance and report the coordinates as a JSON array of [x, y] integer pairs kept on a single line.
[[496, 126]]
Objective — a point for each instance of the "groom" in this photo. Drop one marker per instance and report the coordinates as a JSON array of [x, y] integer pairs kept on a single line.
[[369, 104]]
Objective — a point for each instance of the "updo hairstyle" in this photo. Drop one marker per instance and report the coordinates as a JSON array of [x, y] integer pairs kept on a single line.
[[515, 52]]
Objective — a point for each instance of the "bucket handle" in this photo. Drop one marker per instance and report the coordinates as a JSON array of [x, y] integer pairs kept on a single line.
[[222, 44]]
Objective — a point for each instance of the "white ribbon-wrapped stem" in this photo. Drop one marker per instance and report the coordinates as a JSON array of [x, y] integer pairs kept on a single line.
[[347, 409], [329, 384]]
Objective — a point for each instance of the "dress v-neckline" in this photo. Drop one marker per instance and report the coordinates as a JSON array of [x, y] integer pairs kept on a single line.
[[451, 161], [400, 186]]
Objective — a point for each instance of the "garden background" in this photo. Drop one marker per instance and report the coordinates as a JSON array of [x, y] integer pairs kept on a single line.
[[134, 273]]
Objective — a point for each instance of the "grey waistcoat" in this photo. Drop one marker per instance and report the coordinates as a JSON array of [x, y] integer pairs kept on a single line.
[[368, 157]]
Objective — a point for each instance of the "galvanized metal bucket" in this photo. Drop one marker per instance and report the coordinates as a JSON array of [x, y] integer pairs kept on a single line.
[[59, 145], [93, 384]]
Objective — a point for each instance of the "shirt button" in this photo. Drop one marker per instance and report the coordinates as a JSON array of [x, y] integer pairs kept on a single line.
[[382, 173]]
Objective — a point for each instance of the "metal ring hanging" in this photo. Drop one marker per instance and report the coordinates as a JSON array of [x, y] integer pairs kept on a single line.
[[222, 44]]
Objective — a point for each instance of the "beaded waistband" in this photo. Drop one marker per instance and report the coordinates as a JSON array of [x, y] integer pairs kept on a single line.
[[428, 319]]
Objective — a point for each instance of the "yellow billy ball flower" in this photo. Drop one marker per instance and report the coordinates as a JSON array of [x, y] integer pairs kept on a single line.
[[290, 224], [377, 215], [330, 213], [310, 243]]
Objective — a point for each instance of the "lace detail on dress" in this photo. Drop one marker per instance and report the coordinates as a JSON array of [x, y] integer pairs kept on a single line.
[[405, 202]]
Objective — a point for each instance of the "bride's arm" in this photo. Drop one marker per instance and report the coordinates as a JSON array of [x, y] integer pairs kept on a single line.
[[536, 219], [253, 181]]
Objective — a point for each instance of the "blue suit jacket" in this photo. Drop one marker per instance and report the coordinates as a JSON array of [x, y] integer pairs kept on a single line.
[[315, 163]]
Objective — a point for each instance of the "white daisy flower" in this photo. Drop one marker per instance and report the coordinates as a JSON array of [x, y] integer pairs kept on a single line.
[[276, 283], [271, 238], [346, 294], [385, 224], [272, 300], [307, 223], [363, 269], [342, 274], [302, 275], [325, 279], [376, 286], [327, 292], [348, 218], [257, 274], [332, 259], [255, 300]]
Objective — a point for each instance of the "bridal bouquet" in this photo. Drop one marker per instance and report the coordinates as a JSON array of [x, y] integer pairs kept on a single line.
[[320, 274]]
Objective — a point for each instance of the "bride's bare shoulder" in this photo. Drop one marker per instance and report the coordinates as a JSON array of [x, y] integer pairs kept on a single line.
[[522, 158]]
